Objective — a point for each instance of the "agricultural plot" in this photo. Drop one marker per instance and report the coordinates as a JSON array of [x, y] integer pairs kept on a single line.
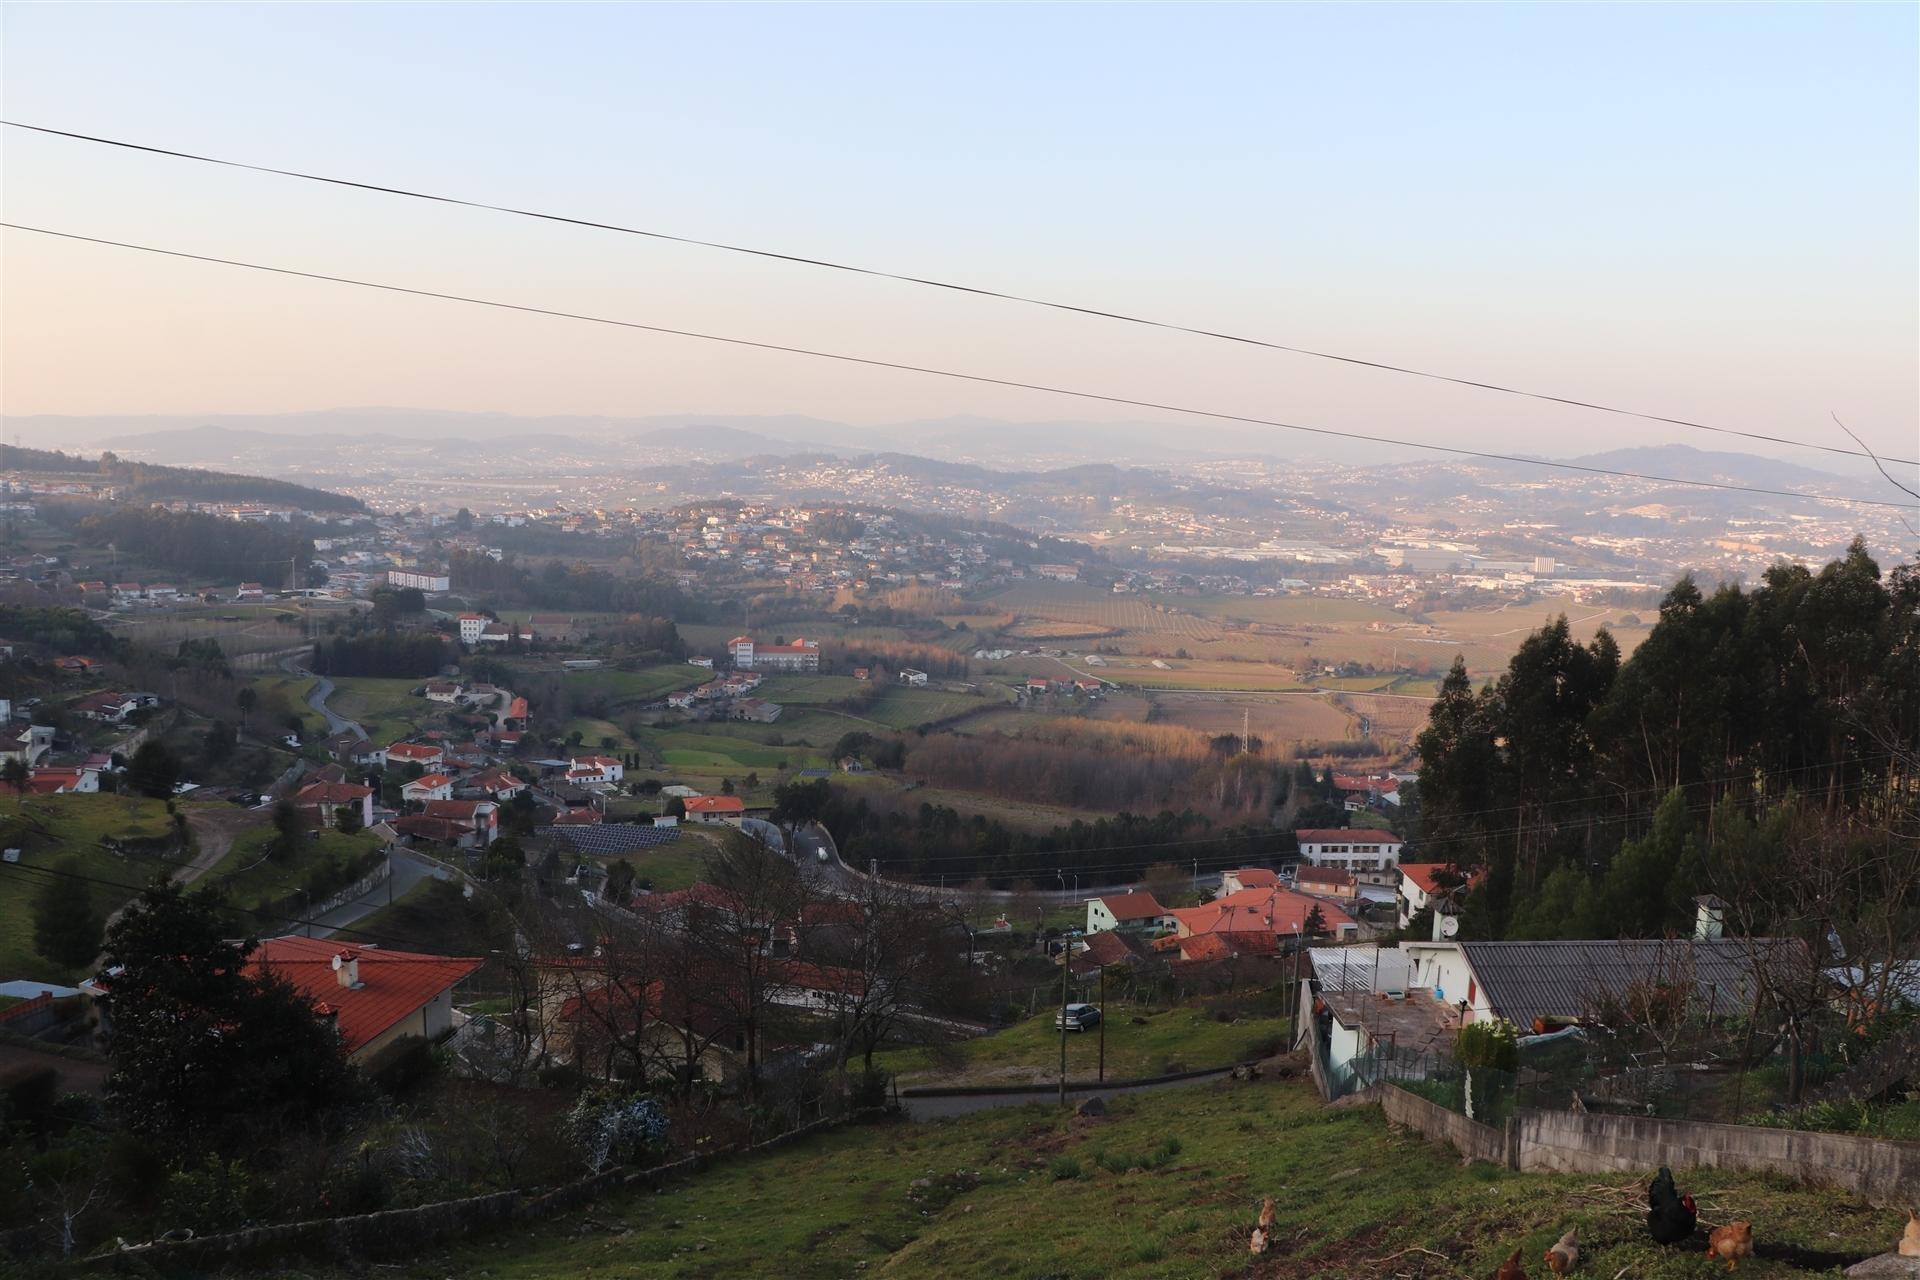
[[648, 684], [801, 690], [903, 708], [249, 634], [386, 709], [1275, 718]]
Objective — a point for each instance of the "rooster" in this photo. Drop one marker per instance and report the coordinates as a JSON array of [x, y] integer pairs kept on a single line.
[[1263, 1230], [1562, 1256], [1672, 1216], [1511, 1268], [1731, 1242]]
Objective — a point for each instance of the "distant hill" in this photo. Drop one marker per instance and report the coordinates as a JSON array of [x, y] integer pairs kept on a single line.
[[149, 482]]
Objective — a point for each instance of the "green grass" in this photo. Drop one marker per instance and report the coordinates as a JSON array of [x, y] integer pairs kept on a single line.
[[904, 708], [1170, 1039], [294, 691], [246, 875], [645, 685], [687, 749], [801, 690], [51, 829], [386, 709], [1168, 1186]]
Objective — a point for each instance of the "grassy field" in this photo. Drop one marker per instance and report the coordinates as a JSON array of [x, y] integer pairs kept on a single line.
[[1029, 1052], [387, 709], [791, 691], [48, 830], [1167, 1187], [247, 875], [648, 684], [903, 708], [293, 690]]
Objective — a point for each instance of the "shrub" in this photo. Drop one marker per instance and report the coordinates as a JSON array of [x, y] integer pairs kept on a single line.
[[615, 1129], [1064, 1168], [1487, 1044]]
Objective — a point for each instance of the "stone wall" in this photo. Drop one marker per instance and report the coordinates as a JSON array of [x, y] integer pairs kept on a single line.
[[1881, 1171]]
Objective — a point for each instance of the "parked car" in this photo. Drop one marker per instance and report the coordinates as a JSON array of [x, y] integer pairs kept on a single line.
[[1077, 1017]]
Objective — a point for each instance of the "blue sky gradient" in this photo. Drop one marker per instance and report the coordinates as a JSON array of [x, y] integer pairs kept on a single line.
[[1707, 210]]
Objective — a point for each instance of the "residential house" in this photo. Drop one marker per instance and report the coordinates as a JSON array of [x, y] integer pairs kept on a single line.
[[442, 691], [348, 747], [371, 996], [1325, 882], [427, 787], [1136, 912], [321, 802], [420, 753], [1247, 878], [715, 809], [250, 591], [499, 784], [590, 770], [495, 633], [471, 625], [1278, 912], [479, 820], [78, 780], [29, 743], [912, 678], [553, 626], [1422, 883], [757, 710]]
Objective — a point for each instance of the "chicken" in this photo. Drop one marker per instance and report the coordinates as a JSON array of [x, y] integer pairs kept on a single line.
[[1511, 1268], [1263, 1230], [1731, 1242], [1910, 1238], [1563, 1255], [1671, 1216]]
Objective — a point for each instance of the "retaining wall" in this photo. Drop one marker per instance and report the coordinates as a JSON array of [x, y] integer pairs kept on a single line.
[[1879, 1170]]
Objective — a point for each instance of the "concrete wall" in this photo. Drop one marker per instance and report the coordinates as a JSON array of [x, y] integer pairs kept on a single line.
[[1470, 1138], [1881, 1171]]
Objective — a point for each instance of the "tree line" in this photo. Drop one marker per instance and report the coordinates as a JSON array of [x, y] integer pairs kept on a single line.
[[189, 542], [393, 654], [150, 482]]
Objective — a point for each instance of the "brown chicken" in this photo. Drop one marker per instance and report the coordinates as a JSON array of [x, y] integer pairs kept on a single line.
[[1731, 1242], [1563, 1255], [1511, 1268], [1263, 1230], [1910, 1239]]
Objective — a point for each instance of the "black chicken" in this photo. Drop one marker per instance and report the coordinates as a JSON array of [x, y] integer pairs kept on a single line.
[[1671, 1216]]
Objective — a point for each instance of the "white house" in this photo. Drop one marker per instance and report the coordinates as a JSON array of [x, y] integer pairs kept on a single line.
[[1138, 911], [800, 655], [1355, 849], [428, 786], [443, 691], [471, 625], [909, 676], [590, 769]]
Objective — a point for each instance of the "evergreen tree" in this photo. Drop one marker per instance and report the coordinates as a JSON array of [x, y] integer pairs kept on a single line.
[[66, 927]]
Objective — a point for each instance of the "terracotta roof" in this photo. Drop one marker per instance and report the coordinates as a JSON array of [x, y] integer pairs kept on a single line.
[[1224, 946], [1346, 835], [1276, 911], [393, 984], [1323, 875], [1423, 874], [444, 830], [412, 751], [715, 804], [577, 818], [457, 810], [428, 781], [1109, 947], [1138, 905], [1255, 878], [331, 793], [595, 762]]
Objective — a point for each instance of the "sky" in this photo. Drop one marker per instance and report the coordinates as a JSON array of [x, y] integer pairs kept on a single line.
[[1704, 211]]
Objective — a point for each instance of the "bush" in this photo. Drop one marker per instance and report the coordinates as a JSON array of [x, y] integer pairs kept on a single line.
[[1487, 1044], [1064, 1168], [615, 1129]]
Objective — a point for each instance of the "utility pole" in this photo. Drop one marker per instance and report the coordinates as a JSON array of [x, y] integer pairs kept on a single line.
[[1103, 1024], [1064, 966]]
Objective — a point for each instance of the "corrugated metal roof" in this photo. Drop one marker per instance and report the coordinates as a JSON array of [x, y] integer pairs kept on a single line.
[[1528, 980]]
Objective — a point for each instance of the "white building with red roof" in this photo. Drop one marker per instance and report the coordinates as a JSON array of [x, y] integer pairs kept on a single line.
[[426, 787], [371, 996], [798, 655], [322, 802], [1277, 912], [1355, 849], [716, 809], [1136, 912], [586, 770], [404, 753]]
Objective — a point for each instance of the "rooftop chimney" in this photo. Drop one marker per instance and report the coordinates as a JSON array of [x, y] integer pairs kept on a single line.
[[1709, 918], [346, 968]]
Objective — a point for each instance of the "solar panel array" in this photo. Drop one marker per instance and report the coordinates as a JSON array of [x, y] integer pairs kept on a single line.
[[612, 838]]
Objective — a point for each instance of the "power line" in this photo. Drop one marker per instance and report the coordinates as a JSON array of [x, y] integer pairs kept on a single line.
[[930, 371], [953, 287]]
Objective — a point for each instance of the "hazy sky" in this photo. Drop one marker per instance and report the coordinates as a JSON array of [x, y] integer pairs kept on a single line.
[[1707, 211]]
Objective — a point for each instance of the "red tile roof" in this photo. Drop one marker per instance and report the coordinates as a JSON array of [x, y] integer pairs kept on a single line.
[[1323, 875], [1223, 946], [1275, 911], [457, 810], [331, 793], [412, 751], [1138, 905], [1255, 878], [1346, 835], [428, 781], [393, 984], [577, 818], [715, 804], [1423, 874]]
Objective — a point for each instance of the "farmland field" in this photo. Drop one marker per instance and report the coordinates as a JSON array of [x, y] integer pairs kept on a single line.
[[386, 709], [903, 708], [648, 684], [796, 690], [1276, 718], [50, 829]]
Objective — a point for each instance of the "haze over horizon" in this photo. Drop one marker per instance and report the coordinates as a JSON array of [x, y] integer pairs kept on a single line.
[[1705, 213]]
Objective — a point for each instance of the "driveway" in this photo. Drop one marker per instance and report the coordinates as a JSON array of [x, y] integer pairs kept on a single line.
[[317, 699]]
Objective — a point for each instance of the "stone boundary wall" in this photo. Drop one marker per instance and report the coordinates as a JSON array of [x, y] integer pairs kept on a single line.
[[401, 1232], [1881, 1171]]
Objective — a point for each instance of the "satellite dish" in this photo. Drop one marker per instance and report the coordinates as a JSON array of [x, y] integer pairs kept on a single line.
[[1449, 925]]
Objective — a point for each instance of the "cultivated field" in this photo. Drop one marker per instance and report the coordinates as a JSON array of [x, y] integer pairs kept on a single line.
[[50, 829]]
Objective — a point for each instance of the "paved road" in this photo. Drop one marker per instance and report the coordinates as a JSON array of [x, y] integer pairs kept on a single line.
[[318, 695], [214, 831], [938, 1108], [408, 871]]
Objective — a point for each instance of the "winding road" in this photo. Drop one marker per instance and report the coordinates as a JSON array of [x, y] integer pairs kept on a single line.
[[318, 695]]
